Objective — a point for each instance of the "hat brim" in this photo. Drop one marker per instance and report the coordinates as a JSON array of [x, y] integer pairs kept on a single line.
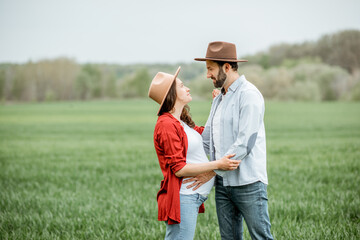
[[220, 59], [167, 91]]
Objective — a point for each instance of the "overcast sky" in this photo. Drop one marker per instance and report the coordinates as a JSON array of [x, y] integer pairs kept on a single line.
[[161, 31]]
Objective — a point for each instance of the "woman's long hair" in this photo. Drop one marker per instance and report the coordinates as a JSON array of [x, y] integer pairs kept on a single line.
[[169, 104]]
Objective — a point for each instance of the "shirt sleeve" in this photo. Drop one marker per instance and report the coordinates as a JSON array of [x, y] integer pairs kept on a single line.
[[251, 117], [172, 145]]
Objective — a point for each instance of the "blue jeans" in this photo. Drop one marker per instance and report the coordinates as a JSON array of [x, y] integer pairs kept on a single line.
[[189, 209], [248, 202]]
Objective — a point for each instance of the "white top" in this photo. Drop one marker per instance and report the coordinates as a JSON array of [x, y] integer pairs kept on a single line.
[[195, 154]]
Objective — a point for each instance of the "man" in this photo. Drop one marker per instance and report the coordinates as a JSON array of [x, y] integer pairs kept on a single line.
[[236, 125]]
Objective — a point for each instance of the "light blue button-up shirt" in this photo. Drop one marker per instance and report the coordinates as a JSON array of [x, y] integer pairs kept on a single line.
[[242, 132]]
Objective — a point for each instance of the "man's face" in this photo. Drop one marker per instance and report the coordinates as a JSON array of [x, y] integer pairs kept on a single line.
[[216, 73]]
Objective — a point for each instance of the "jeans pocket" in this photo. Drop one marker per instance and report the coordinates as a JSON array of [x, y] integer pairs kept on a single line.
[[202, 198], [264, 195]]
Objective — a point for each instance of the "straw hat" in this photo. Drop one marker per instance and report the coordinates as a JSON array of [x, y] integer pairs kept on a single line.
[[221, 51], [160, 86]]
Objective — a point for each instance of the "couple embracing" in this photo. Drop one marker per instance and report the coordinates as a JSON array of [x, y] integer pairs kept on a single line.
[[234, 141]]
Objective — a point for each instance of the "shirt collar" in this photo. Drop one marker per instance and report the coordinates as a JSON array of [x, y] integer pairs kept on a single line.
[[237, 83]]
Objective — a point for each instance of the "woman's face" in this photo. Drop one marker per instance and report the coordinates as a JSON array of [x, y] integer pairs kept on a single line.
[[182, 92]]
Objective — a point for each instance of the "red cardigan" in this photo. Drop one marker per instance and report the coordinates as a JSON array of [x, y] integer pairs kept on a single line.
[[171, 146]]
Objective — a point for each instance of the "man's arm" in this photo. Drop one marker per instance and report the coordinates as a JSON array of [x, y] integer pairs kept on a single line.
[[251, 117]]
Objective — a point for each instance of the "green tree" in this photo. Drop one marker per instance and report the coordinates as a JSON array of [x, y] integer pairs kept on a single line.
[[333, 82], [88, 83], [110, 87], [2, 84], [138, 85], [341, 49]]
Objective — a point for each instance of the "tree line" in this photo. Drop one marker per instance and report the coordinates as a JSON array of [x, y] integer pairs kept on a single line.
[[324, 70]]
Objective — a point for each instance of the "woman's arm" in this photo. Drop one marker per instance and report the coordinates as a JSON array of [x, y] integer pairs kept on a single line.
[[193, 169]]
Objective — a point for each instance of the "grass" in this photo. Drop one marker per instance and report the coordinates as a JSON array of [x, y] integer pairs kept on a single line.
[[88, 170]]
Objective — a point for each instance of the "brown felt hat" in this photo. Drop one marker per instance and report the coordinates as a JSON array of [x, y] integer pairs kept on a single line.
[[221, 51], [160, 86]]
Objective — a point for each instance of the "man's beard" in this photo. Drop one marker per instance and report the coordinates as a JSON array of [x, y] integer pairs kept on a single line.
[[220, 80]]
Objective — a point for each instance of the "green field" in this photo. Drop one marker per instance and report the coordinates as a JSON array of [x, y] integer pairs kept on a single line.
[[88, 170]]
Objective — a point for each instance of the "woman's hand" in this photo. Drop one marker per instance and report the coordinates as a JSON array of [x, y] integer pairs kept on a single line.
[[226, 163], [215, 92]]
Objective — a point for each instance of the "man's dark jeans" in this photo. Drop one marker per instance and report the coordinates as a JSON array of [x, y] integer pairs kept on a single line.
[[248, 202]]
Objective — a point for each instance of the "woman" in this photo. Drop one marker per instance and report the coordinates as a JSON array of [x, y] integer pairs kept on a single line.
[[179, 148]]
